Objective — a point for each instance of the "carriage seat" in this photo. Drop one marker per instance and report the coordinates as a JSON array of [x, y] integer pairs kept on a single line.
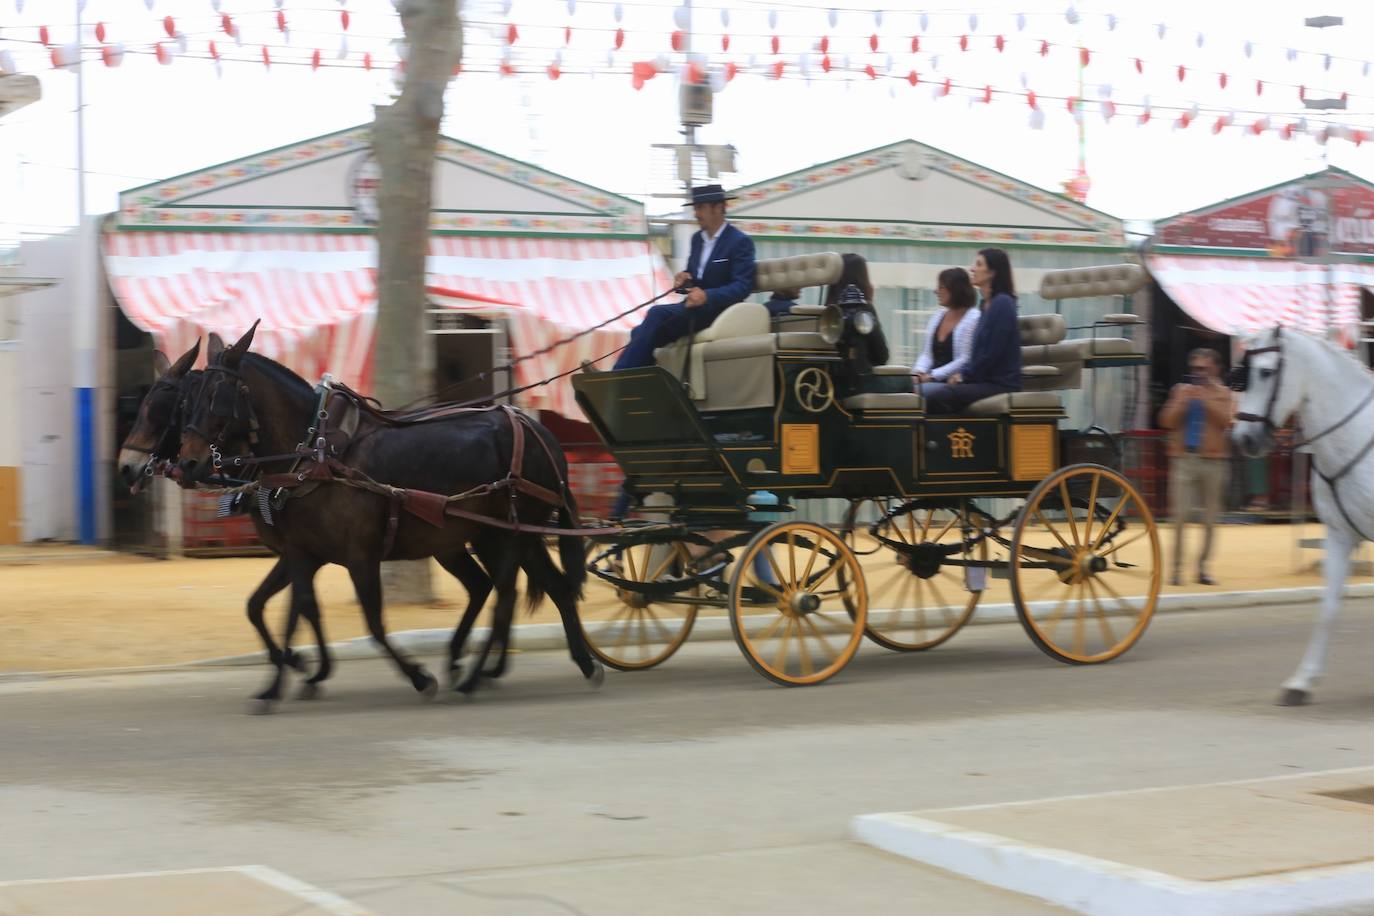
[[1048, 364], [732, 359]]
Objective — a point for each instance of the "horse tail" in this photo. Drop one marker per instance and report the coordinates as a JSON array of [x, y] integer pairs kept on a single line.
[[571, 551]]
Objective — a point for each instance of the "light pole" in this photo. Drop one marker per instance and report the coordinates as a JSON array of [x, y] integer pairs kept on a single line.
[[1324, 186]]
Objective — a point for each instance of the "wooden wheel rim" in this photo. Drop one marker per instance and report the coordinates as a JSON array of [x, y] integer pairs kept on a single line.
[[657, 635], [812, 633], [917, 526], [1089, 591]]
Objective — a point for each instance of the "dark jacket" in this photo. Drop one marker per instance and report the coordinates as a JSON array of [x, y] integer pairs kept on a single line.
[[777, 305], [996, 356], [729, 278]]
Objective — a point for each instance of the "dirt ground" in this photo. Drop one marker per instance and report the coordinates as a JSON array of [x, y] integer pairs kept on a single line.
[[64, 608]]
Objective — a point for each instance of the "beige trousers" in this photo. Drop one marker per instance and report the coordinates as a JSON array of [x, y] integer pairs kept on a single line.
[[1196, 483]]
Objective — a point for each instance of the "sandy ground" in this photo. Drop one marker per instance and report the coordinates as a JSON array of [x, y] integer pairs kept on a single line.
[[64, 608]]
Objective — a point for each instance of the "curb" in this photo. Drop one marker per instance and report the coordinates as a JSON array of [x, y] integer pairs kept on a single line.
[[537, 636], [1085, 884]]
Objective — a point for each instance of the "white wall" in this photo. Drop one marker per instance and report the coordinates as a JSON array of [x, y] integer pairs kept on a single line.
[[45, 401]]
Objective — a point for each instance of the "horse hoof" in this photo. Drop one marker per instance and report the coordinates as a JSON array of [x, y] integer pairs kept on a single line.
[[1291, 696], [598, 675], [309, 691], [261, 707], [431, 688]]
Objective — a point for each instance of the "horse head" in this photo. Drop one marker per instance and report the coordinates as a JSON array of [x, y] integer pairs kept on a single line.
[[1268, 398], [220, 415], [157, 428]]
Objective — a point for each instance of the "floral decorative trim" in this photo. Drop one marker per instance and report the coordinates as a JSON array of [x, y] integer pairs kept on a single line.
[[288, 218], [142, 206], [938, 161], [530, 176], [922, 232]]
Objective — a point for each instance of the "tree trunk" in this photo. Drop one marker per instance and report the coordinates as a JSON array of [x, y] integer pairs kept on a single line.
[[405, 138]]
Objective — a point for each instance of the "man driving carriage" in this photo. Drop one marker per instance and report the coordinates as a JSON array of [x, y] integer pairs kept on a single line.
[[720, 272]]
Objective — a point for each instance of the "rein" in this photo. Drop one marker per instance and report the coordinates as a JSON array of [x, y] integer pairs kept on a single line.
[[542, 351]]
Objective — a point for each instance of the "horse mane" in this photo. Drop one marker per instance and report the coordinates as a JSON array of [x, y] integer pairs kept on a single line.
[[1344, 358], [276, 371]]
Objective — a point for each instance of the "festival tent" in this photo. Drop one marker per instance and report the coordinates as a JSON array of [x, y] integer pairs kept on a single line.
[[1298, 254], [288, 236]]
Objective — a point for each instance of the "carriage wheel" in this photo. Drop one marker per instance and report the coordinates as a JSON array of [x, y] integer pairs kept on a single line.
[[915, 601], [1085, 565], [790, 622], [627, 631]]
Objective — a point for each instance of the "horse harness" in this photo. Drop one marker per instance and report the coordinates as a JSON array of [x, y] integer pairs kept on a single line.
[[1331, 480], [334, 429]]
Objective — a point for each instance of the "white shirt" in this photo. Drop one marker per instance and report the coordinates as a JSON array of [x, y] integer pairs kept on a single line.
[[708, 244]]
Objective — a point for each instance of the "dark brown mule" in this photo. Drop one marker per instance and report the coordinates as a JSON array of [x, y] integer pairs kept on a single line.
[[152, 444], [335, 523]]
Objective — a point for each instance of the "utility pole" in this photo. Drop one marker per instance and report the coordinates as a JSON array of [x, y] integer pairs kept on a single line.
[[1325, 187], [85, 322]]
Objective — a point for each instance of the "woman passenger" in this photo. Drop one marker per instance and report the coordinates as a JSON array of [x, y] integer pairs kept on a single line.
[[949, 337], [994, 365], [863, 352]]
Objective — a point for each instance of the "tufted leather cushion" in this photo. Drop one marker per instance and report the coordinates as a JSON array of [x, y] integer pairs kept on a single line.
[[1037, 330], [800, 272], [1086, 282], [890, 401], [1089, 347], [1015, 400]]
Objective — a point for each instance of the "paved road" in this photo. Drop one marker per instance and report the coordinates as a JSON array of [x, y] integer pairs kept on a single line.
[[695, 788]]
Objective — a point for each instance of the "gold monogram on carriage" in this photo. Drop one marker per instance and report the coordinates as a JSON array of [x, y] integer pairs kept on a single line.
[[961, 443]]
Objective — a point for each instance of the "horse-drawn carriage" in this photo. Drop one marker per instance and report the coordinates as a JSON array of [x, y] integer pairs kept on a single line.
[[733, 426]]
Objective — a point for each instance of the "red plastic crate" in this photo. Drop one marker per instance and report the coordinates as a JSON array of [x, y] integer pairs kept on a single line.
[[202, 532]]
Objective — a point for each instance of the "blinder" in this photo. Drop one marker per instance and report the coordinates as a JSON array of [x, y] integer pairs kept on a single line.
[[229, 402]]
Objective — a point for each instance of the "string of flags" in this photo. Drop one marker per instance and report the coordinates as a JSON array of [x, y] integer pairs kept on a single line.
[[891, 46]]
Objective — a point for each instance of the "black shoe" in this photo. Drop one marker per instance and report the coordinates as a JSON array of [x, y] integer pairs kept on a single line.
[[1204, 579]]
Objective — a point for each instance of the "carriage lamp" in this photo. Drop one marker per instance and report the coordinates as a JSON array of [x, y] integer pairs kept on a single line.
[[852, 313]]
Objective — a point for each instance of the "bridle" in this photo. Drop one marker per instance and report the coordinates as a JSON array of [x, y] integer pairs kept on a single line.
[[239, 409], [1267, 418], [167, 443], [1331, 480]]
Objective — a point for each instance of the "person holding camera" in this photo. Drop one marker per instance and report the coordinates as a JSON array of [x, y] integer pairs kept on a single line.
[[1198, 414]]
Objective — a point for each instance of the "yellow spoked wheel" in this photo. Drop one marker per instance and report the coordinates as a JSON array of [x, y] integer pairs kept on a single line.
[[622, 625], [916, 599], [788, 603], [1085, 566]]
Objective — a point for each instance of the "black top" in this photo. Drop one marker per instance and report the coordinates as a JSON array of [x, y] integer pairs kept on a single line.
[[941, 351]]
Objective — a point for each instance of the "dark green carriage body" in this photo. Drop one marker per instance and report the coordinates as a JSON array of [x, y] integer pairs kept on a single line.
[[809, 444]]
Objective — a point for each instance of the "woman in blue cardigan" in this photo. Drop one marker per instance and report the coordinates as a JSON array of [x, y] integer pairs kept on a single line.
[[994, 365]]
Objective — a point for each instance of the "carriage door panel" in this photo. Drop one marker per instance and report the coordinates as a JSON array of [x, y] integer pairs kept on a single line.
[[964, 447]]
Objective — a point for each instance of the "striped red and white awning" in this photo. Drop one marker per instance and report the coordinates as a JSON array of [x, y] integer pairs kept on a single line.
[[1238, 296], [316, 295]]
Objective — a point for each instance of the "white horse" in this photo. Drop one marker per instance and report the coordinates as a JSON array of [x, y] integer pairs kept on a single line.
[[1333, 395]]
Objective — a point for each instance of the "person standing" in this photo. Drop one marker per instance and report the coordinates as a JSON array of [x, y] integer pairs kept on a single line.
[[1198, 414], [720, 272]]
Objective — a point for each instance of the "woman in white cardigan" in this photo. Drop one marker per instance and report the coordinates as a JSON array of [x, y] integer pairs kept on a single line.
[[949, 337]]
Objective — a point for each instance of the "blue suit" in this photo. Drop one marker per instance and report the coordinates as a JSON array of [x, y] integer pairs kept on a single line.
[[727, 279]]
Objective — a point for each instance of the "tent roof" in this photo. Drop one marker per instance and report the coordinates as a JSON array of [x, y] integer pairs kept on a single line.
[[328, 184], [911, 192]]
